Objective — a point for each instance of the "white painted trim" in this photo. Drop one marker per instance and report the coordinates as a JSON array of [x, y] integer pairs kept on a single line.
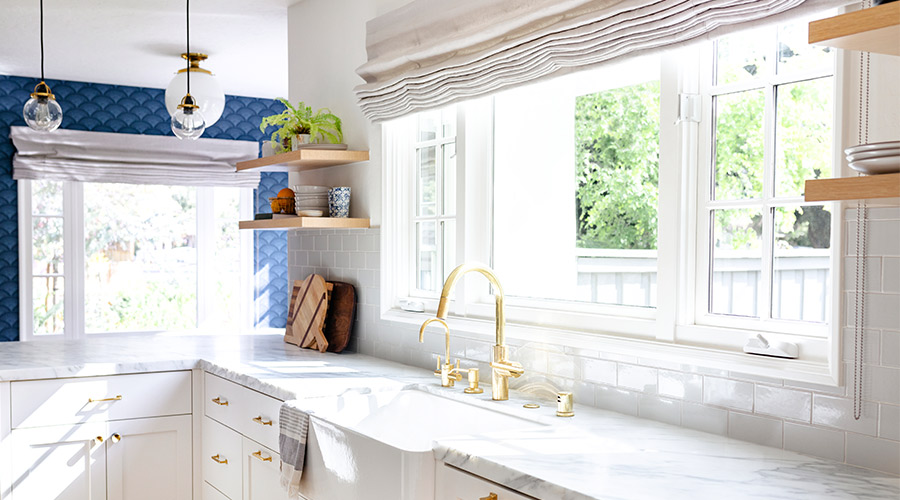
[[26, 308], [206, 252], [73, 256], [246, 242]]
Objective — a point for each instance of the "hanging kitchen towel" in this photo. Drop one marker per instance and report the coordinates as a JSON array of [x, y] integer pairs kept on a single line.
[[293, 425]]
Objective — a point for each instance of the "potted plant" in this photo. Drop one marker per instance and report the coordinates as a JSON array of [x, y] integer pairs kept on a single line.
[[300, 125]]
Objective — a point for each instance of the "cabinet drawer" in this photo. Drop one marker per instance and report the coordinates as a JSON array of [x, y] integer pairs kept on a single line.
[[451, 483], [262, 473], [251, 413], [210, 493], [222, 458], [37, 403]]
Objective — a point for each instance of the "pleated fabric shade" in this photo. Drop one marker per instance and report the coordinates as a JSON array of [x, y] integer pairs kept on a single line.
[[431, 53]]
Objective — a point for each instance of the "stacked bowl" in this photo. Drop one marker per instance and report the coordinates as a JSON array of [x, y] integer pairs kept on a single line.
[[311, 201], [876, 158]]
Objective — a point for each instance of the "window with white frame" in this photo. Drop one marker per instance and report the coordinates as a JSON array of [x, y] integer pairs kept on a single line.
[[765, 255], [102, 258], [604, 208]]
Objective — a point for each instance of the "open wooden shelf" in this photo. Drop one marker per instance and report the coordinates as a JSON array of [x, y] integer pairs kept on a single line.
[[853, 188], [305, 223], [876, 29], [303, 159]]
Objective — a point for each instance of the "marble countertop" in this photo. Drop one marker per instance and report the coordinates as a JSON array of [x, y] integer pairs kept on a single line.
[[596, 454]]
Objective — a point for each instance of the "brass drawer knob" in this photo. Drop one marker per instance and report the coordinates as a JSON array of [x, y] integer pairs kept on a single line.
[[219, 460], [259, 456], [116, 437], [259, 420], [220, 402]]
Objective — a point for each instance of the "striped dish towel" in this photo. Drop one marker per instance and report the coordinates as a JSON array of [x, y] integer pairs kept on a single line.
[[293, 425]]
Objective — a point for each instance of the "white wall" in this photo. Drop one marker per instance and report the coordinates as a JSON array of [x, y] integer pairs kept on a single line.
[[326, 43], [812, 419]]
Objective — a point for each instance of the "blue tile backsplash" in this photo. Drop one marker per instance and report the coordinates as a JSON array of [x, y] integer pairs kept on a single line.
[[135, 110]]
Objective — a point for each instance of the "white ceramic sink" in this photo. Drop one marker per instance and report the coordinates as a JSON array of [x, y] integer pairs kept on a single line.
[[378, 446]]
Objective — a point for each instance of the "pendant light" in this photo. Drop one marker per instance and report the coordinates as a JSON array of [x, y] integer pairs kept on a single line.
[[42, 112], [204, 87], [188, 122]]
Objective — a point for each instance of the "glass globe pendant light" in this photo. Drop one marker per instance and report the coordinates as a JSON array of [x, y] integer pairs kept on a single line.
[[205, 88], [188, 122], [42, 112]]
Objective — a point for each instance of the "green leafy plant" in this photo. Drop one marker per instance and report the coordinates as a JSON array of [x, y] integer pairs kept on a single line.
[[302, 120]]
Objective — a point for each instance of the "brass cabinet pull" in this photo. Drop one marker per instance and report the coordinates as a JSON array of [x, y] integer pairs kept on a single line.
[[218, 460], [117, 398], [219, 402], [258, 454], [98, 439], [116, 437], [491, 496], [259, 420]]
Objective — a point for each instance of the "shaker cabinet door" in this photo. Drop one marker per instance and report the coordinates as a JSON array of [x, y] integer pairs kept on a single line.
[[64, 462], [262, 476], [150, 459]]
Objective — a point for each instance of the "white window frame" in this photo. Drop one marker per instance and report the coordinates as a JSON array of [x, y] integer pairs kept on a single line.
[[73, 261], [674, 332]]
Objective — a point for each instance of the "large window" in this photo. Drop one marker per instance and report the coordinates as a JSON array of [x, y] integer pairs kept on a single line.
[[649, 199], [122, 257]]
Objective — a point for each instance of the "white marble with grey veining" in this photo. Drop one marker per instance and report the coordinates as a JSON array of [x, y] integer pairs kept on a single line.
[[596, 454]]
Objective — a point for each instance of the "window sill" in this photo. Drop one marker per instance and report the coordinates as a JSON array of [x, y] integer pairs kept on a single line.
[[725, 358]]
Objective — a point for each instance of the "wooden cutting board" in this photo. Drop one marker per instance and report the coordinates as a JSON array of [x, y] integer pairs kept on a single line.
[[306, 314], [339, 321]]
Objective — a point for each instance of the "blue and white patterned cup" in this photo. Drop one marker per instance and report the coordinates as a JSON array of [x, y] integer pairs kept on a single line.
[[339, 202]]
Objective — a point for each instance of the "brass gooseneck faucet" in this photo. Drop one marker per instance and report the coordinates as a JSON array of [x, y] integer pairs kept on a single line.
[[501, 367]]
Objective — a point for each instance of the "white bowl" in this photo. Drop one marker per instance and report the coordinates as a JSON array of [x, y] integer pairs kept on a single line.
[[872, 147], [878, 153], [310, 189], [310, 213], [875, 166]]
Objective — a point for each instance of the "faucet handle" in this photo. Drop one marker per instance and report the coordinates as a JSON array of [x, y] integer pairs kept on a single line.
[[508, 368]]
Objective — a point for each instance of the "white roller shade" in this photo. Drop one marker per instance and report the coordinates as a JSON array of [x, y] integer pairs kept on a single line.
[[431, 53], [74, 155]]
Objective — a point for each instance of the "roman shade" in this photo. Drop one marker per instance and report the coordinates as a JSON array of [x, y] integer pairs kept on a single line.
[[75, 155], [431, 53]]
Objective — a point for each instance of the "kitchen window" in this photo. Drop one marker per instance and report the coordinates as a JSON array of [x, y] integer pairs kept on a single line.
[[656, 199], [101, 258]]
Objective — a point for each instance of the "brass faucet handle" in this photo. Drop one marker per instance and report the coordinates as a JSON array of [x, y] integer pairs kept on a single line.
[[509, 368]]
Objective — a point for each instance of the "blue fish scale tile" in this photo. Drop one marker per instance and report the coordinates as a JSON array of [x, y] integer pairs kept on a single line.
[[135, 110]]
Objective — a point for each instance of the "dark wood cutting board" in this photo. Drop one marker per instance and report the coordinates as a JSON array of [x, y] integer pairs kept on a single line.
[[339, 321]]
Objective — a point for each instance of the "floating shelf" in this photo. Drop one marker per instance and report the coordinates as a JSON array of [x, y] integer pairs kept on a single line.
[[853, 188], [305, 223], [876, 29], [303, 159]]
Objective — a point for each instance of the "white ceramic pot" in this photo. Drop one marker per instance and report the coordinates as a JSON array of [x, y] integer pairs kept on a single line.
[[299, 140]]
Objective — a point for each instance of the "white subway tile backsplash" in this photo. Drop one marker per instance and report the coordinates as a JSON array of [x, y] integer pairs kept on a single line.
[[873, 274], [784, 403], [814, 441], [883, 382], [348, 242], [373, 260], [561, 365], [878, 454], [838, 413], [600, 371], [883, 311], [728, 393], [704, 418], [889, 422], [639, 378], [334, 242], [659, 409], [871, 345], [883, 237], [681, 385], [756, 429], [891, 275], [890, 348], [617, 400], [478, 350], [321, 242], [342, 260]]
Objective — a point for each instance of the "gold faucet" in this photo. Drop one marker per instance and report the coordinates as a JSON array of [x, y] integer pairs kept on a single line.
[[501, 367], [449, 375]]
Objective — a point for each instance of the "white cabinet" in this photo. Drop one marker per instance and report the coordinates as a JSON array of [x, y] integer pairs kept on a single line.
[[151, 460], [65, 444], [262, 476], [66, 462], [451, 483], [241, 426]]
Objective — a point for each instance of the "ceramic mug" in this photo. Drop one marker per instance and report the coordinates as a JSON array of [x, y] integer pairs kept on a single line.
[[339, 202]]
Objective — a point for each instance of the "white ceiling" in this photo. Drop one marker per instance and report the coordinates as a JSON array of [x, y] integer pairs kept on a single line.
[[138, 42]]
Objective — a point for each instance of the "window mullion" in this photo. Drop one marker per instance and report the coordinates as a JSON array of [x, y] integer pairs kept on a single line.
[[26, 242], [205, 255], [764, 310], [73, 259]]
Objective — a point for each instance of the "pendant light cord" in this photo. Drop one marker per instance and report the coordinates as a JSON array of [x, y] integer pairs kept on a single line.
[[188, 23], [42, 40]]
